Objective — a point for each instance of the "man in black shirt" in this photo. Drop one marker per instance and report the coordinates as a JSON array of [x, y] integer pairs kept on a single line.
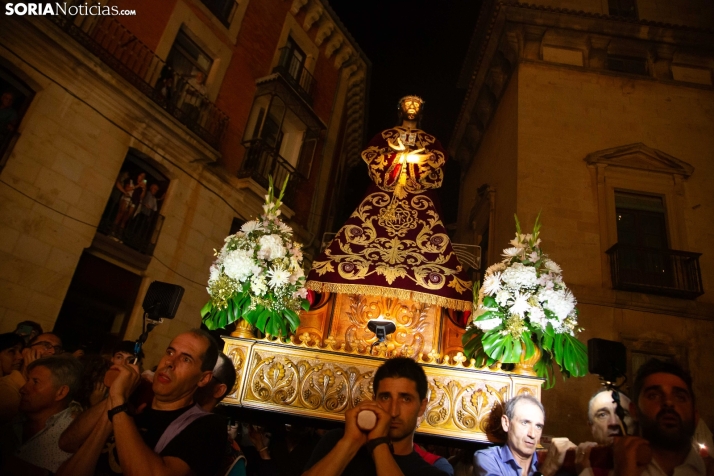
[[400, 388], [172, 436]]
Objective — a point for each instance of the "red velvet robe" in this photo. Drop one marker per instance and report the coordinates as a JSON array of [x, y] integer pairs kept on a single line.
[[395, 244]]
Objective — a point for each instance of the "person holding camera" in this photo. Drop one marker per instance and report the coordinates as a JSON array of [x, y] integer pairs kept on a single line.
[[384, 446], [170, 436], [664, 407]]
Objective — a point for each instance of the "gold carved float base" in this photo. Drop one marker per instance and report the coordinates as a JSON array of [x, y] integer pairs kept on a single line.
[[322, 380]]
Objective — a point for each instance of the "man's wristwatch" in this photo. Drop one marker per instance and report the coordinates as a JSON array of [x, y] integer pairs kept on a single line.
[[372, 444], [118, 409]]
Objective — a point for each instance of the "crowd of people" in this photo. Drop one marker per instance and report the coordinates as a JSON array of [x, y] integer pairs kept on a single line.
[[73, 415]]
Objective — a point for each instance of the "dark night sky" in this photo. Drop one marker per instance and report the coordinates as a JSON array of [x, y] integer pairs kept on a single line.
[[416, 47]]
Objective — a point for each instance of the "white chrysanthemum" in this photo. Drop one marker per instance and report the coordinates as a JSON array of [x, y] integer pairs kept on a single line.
[[512, 252], [559, 302], [271, 247], [215, 272], [502, 297], [250, 226], [520, 304], [278, 277], [491, 284], [519, 276], [553, 266], [238, 264]]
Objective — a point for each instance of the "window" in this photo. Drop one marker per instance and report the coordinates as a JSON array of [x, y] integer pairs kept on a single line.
[[132, 215], [641, 205], [292, 66], [186, 57], [224, 10], [15, 98], [627, 64], [642, 240], [622, 8], [641, 220], [279, 127]]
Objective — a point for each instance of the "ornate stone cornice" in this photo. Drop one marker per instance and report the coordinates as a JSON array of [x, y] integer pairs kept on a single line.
[[505, 28], [640, 157]]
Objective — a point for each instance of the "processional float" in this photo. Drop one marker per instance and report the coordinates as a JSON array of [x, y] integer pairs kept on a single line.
[[389, 284]]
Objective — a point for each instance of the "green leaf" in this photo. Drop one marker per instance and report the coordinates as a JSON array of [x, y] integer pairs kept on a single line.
[[208, 307], [246, 306], [490, 302], [283, 328], [272, 325], [252, 316], [293, 319], [262, 320], [235, 312], [223, 320], [229, 311], [488, 315], [210, 321], [305, 305], [530, 347]]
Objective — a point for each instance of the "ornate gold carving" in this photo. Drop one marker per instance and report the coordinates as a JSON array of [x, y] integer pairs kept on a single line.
[[305, 379], [411, 319], [307, 384]]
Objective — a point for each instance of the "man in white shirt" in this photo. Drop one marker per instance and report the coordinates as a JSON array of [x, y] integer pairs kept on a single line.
[[664, 407], [30, 442]]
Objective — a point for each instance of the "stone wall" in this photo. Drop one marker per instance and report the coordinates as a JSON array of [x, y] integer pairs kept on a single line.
[[560, 115]]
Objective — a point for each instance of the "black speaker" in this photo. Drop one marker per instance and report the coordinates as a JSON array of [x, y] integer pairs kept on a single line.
[[607, 359], [162, 300]]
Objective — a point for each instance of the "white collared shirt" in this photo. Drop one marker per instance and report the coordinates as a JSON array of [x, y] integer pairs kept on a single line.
[[42, 449], [692, 466]]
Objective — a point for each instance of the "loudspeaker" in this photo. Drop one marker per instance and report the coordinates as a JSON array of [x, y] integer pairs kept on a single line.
[[607, 359], [162, 300]]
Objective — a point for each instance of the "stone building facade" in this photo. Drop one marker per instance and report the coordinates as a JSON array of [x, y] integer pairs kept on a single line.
[[599, 115], [195, 102]]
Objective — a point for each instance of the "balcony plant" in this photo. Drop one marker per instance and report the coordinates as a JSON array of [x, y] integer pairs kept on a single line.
[[523, 310], [258, 275]]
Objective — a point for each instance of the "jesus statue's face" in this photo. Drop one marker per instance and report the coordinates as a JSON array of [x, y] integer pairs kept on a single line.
[[410, 108]]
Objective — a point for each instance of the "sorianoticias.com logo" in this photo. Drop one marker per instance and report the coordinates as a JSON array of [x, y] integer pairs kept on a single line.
[[64, 8]]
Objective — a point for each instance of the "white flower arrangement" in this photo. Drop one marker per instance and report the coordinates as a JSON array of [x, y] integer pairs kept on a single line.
[[522, 304], [258, 275]]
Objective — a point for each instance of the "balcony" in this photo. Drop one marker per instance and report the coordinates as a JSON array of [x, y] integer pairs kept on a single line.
[[119, 49], [295, 73], [262, 161], [655, 271], [222, 9]]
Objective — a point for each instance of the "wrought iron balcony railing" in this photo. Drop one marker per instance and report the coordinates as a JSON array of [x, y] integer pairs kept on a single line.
[[295, 73], [262, 161], [222, 9], [123, 52], [655, 271]]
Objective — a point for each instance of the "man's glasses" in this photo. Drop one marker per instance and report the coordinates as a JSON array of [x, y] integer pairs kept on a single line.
[[48, 345]]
